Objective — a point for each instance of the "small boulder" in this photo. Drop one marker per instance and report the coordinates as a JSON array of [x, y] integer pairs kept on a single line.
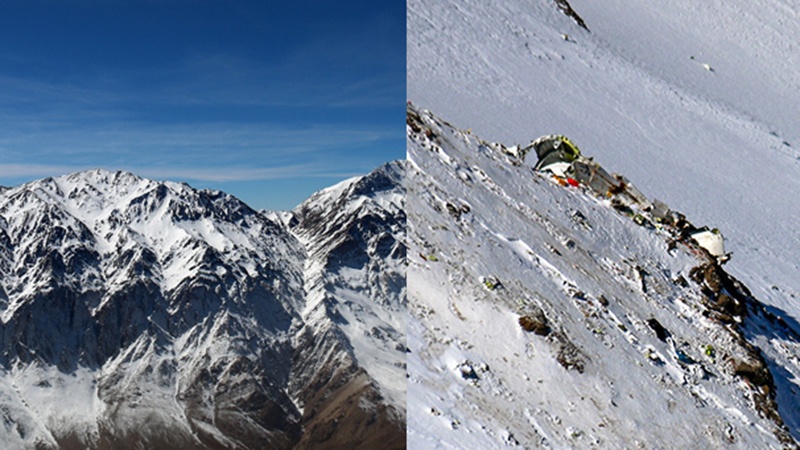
[[535, 325], [753, 371], [534, 321]]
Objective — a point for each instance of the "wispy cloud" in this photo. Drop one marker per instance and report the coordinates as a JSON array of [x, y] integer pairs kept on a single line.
[[33, 171], [227, 174], [220, 79], [220, 174], [214, 79], [248, 95], [34, 136], [209, 151]]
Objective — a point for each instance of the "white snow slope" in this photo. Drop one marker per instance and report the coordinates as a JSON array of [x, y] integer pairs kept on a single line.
[[636, 92], [602, 377]]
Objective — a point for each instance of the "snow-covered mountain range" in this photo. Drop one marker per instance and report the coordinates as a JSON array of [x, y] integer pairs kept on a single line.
[[144, 314], [543, 315]]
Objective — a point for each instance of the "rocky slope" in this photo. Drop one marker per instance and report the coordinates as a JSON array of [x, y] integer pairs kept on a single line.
[[178, 318], [542, 315], [355, 287]]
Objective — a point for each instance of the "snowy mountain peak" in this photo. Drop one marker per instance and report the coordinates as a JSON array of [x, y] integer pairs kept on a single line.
[[355, 237], [102, 177]]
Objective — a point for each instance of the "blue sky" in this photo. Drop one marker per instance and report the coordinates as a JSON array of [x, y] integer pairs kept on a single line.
[[269, 101]]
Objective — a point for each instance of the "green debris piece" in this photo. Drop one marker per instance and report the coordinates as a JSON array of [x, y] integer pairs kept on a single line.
[[491, 283], [433, 258]]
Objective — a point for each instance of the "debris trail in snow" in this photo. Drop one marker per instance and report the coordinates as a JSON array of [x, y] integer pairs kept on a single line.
[[721, 143], [549, 318]]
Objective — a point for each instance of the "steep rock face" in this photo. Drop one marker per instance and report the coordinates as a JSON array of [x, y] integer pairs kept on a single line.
[[542, 316], [171, 315], [354, 233]]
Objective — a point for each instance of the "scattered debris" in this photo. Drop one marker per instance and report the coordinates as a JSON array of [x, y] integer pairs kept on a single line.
[[680, 361], [642, 221], [705, 65], [683, 357], [468, 371], [681, 281], [661, 332], [660, 212], [569, 356], [562, 158], [593, 176], [709, 351], [552, 249], [653, 357], [580, 219], [457, 211], [712, 241], [430, 257], [641, 273], [555, 153], [491, 283]]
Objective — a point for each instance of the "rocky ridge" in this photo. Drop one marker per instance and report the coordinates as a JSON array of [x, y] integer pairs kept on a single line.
[[174, 318]]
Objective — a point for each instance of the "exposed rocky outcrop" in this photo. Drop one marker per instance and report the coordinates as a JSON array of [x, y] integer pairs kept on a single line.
[[178, 318], [566, 8]]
